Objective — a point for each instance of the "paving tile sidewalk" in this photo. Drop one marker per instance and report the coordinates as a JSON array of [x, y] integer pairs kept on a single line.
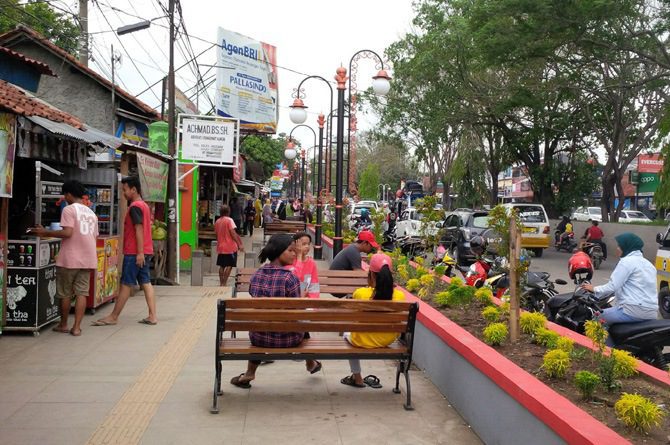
[[59, 389]]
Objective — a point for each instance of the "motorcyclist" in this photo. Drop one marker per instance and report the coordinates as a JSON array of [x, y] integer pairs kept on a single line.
[[364, 219], [594, 234], [560, 228], [566, 233], [633, 283]]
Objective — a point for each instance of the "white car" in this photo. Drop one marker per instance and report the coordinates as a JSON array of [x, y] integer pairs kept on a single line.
[[367, 204], [588, 214], [633, 216], [409, 223]]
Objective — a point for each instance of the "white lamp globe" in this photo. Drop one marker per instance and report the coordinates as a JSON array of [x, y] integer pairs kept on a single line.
[[381, 83], [290, 153], [284, 172], [298, 112]]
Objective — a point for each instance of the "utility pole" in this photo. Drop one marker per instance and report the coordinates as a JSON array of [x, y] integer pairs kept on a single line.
[[83, 22], [113, 94], [172, 150]]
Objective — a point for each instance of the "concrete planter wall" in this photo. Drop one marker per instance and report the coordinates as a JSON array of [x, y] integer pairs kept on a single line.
[[503, 403], [326, 243]]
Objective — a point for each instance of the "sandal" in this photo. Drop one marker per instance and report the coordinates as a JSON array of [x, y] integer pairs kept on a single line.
[[316, 368], [350, 381], [372, 381], [237, 381]]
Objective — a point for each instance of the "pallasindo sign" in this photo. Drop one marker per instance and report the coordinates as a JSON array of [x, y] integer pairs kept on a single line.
[[208, 141]]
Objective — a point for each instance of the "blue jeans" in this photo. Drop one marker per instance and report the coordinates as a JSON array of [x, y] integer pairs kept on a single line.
[[613, 315], [131, 274]]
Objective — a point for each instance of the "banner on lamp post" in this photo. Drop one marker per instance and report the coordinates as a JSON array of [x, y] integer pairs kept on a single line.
[[153, 176]]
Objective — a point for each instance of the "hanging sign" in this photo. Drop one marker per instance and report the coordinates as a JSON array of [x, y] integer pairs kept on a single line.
[[7, 140], [153, 177], [208, 141]]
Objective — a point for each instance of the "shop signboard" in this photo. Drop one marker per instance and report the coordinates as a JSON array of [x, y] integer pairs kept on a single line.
[[648, 183], [111, 267], [650, 163], [246, 81], [31, 297], [276, 183], [51, 189], [136, 133], [206, 140], [153, 177], [7, 142]]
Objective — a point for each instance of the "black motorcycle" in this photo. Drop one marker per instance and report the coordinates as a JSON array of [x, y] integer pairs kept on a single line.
[[645, 339], [595, 252], [566, 242], [539, 289]]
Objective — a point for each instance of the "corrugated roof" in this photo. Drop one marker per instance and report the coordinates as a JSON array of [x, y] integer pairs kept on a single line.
[[23, 31], [39, 66], [63, 129], [19, 101]]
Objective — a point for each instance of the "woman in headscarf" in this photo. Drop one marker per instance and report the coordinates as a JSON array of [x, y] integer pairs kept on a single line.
[[258, 205], [267, 212], [273, 280], [633, 283]]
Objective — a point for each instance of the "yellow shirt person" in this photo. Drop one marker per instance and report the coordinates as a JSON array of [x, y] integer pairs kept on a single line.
[[373, 339]]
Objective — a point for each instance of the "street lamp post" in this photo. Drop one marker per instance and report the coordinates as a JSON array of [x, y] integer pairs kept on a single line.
[[303, 177]]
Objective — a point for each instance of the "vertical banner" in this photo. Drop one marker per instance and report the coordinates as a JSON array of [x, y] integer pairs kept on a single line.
[[153, 177], [246, 81], [7, 142]]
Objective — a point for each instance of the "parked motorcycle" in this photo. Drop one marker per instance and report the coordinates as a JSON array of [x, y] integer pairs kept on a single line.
[[645, 339], [594, 251], [539, 289]]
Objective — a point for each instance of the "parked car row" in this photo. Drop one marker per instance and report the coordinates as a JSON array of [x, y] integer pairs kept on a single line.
[[595, 214]]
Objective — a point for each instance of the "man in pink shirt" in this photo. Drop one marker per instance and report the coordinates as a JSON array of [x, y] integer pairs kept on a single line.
[[77, 256], [228, 244]]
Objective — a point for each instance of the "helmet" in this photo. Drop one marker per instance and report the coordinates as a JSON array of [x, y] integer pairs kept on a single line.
[[364, 211], [580, 263], [478, 245]]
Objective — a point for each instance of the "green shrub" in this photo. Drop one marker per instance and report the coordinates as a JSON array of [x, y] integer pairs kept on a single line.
[[547, 338], [556, 363], [442, 298], [440, 270], [596, 332], [586, 382], [491, 314], [484, 296], [421, 271], [566, 344], [531, 321], [638, 412], [461, 296], [607, 375], [413, 285], [495, 333], [625, 365], [456, 282]]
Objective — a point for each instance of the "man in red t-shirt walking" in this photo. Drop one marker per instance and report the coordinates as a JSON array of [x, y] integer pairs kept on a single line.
[[228, 242], [137, 250]]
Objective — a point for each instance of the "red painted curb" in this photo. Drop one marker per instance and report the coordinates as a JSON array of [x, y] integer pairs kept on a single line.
[[568, 421]]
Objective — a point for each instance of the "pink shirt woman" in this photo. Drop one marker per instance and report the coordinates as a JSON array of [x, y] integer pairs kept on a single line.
[[305, 267]]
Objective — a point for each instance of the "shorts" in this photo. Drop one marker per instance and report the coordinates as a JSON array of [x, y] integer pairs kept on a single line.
[[226, 260], [71, 283], [131, 274]]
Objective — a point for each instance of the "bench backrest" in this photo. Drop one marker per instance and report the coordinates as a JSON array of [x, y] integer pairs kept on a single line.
[[315, 315], [330, 281]]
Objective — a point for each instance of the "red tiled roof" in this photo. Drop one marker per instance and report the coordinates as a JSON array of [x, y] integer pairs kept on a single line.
[[24, 31], [39, 66], [19, 101]]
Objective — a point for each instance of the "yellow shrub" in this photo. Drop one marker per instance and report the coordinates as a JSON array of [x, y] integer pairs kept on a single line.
[[484, 296], [556, 363], [413, 285], [491, 314], [565, 344], [495, 333], [638, 412], [625, 365], [531, 322], [427, 280], [596, 332]]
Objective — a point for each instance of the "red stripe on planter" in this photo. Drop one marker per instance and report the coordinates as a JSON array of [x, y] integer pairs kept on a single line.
[[570, 422]]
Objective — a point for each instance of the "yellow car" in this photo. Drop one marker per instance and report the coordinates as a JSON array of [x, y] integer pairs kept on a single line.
[[536, 234], [663, 272]]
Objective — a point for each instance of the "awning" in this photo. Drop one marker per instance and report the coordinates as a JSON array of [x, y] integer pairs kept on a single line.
[[63, 129], [247, 183]]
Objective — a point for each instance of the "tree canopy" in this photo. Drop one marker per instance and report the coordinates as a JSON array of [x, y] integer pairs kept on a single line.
[[267, 150]]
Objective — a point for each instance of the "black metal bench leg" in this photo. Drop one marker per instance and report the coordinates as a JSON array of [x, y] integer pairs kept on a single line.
[[399, 370], [217, 390], [408, 405]]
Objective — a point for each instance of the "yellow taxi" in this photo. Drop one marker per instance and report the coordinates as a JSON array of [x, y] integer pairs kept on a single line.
[[536, 234], [663, 272]]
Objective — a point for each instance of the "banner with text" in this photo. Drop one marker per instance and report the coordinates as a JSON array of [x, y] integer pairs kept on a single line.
[[153, 177], [208, 141], [246, 81], [7, 138], [650, 163]]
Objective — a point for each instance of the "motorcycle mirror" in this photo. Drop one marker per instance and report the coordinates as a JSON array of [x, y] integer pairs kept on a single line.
[[560, 281]]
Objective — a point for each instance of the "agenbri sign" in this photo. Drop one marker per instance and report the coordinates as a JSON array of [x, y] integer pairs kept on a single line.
[[246, 81], [208, 141]]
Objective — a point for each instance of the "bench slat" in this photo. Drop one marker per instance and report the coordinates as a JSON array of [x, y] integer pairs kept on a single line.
[[304, 303], [326, 289], [315, 315], [322, 273], [311, 345], [313, 326]]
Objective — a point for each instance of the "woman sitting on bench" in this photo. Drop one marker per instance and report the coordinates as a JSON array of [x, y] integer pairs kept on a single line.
[[273, 280], [380, 287]]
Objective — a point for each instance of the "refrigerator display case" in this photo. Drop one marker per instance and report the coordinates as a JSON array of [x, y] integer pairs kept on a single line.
[[31, 284]]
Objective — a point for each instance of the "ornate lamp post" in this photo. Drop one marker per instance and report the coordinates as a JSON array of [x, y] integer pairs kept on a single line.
[[290, 153]]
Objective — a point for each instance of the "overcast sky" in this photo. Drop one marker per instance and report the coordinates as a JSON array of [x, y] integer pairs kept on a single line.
[[312, 37]]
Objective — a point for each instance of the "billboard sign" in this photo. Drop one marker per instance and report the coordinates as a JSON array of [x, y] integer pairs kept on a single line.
[[208, 141], [246, 81], [648, 183], [649, 163]]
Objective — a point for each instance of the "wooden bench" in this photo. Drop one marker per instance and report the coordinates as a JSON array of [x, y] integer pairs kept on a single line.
[[279, 226], [336, 282], [315, 315]]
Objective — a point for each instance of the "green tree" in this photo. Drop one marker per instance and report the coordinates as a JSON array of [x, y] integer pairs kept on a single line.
[[60, 28], [468, 174], [391, 156], [267, 150], [576, 179], [369, 182]]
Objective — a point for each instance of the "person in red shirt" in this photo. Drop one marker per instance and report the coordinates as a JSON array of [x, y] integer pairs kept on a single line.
[[228, 243], [137, 251], [594, 234]]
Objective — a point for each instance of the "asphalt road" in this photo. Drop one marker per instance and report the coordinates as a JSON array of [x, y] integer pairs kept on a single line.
[[556, 263]]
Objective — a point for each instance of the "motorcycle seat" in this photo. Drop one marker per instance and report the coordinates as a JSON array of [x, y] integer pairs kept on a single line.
[[625, 330], [558, 300], [537, 279]]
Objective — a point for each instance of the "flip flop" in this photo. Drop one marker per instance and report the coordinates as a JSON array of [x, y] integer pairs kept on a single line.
[[239, 383], [147, 321], [61, 330], [372, 381], [316, 368], [75, 334], [103, 323], [350, 381]]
